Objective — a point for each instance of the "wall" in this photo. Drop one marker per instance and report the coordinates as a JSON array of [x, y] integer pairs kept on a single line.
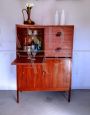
[[43, 13], [9, 16]]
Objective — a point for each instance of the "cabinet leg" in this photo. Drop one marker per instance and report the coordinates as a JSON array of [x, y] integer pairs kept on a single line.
[[69, 95], [17, 96]]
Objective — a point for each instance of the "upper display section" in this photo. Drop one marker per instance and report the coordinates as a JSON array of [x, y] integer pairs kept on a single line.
[[30, 41], [44, 41]]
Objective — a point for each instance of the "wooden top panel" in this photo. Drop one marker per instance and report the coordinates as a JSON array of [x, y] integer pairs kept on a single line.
[[41, 26]]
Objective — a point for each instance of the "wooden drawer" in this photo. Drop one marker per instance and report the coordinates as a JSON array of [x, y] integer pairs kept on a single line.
[[60, 53], [66, 29], [59, 41]]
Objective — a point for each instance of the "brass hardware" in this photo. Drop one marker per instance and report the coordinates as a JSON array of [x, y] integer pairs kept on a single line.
[[58, 49], [58, 34]]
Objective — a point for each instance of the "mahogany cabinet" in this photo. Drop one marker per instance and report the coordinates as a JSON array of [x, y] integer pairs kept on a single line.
[[50, 68]]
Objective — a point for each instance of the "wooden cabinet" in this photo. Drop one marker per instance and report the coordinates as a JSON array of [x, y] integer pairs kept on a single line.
[[50, 68]]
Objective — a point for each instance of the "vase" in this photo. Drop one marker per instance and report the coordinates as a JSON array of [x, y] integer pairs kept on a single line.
[[62, 18], [28, 11], [57, 18]]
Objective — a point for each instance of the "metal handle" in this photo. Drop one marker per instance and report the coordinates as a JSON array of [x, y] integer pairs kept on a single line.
[[58, 34], [23, 13], [58, 49]]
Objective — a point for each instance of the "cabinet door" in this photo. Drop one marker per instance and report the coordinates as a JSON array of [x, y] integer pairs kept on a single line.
[[62, 74], [30, 77], [25, 77], [57, 74]]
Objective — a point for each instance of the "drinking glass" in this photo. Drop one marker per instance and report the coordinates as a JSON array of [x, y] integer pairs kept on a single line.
[[29, 52], [34, 51], [29, 32]]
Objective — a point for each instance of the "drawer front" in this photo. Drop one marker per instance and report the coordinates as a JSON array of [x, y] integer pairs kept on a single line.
[[66, 29], [60, 53], [59, 42]]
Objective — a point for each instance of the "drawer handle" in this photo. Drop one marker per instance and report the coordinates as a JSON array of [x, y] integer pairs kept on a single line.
[[58, 49], [58, 34]]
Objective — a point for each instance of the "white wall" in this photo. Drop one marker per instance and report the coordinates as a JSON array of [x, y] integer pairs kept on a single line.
[[43, 13], [10, 14]]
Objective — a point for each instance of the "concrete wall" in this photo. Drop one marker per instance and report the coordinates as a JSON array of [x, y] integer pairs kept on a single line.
[[43, 13]]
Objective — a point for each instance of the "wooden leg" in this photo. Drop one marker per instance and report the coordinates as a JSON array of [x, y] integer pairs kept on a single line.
[[17, 96], [69, 92], [69, 95]]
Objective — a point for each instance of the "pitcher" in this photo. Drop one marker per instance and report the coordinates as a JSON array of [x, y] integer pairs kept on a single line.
[[28, 12]]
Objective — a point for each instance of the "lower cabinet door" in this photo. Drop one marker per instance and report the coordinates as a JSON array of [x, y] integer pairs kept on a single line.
[[30, 77], [25, 77], [58, 73]]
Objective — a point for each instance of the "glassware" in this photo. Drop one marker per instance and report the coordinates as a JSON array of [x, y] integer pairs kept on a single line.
[[29, 32], [34, 51], [29, 52], [35, 32]]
